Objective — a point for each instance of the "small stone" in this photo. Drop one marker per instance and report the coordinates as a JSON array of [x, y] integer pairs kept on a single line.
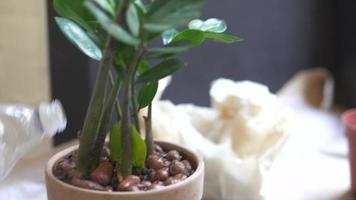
[[155, 162], [180, 177], [103, 173], [158, 148], [87, 184], [144, 185], [128, 183], [171, 181], [133, 188], [156, 186], [162, 174], [74, 173], [187, 164], [177, 167], [173, 155], [109, 189]]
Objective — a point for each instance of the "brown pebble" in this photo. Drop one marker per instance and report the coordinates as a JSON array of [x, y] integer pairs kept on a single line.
[[180, 177], [109, 189], [144, 185], [187, 165], [87, 184], [158, 148], [103, 173], [74, 173], [155, 162], [171, 181], [173, 155], [128, 183], [177, 167], [162, 174], [133, 188], [156, 186]]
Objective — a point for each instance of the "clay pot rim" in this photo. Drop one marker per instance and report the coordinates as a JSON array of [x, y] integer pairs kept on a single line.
[[194, 156]]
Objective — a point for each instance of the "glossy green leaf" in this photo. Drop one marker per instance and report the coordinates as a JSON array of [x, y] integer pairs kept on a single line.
[[79, 38], [168, 35], [160, 71], [74, 10], [147, 94], [115, 142], [210, 25], [221, 37], [142, 6], [143, 67], [107, 5], [139, 150], [110, 26], [165, 52], [133, 20], [190, 37], [165, 14]]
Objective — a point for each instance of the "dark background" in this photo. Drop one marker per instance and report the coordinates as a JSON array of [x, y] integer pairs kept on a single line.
[[282, 37]]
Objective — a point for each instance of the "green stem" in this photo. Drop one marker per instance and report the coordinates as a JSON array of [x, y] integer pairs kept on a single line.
[[107, 113], [148, 130], [117, 103], [126, 143], [89, 152], [134, 104]]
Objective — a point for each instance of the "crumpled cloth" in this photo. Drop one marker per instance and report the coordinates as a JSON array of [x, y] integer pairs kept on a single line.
[[238, 137]]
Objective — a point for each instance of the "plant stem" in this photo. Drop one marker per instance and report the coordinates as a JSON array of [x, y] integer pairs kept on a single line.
[[89, 152], [134, 104], [148, 130], [107, 113], [117, 103], [126, 143]]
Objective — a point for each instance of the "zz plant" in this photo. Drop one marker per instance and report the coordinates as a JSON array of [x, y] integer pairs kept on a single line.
[[122, 35]]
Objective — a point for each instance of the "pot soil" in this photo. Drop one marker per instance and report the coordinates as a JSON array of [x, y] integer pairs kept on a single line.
[[174, 181]]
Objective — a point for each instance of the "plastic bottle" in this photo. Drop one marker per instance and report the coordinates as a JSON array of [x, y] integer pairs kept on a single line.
[[23, 127]]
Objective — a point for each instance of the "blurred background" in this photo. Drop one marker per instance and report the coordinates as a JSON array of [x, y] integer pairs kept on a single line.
[[282, 37]]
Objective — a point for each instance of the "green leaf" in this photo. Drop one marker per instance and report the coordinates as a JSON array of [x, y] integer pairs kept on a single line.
[[139, 150], [168, 35], [110, 26], [210, 25], [147, 94], [143, 67], [142, 7], [133, 20], [79, 38], [165, 52], [107, 5], [221, 37], [74, 10], [115, 142], [166, 14], [193, 37], [160, 71]]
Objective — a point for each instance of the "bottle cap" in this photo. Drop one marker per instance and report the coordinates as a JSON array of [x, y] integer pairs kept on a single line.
[[52, 117]]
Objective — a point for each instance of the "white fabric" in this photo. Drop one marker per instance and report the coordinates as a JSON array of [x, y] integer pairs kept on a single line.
[[238, 138]]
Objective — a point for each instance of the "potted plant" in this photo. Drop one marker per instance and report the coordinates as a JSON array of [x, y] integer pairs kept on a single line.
[[121, 35]]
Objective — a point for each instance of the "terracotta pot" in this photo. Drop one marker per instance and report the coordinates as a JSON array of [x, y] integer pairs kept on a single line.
[[189, 189], [349, 121]]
